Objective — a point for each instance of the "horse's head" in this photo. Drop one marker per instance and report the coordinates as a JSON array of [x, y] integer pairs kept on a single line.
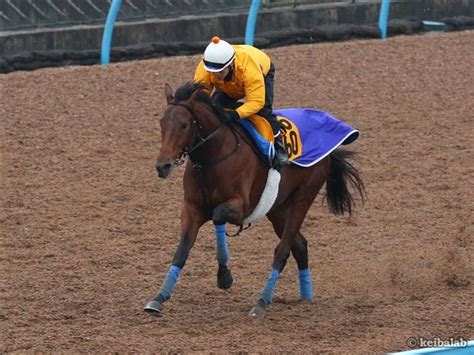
[[178, 131]]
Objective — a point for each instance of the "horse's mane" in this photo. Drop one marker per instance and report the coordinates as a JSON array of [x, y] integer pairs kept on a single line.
[[185, 92]]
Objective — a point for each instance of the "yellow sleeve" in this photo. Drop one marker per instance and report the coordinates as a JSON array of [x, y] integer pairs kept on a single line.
[[254, 86], [202, 75]]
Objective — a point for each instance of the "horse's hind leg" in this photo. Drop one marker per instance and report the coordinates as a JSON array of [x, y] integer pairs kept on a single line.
[[299, 250], [292, 212]]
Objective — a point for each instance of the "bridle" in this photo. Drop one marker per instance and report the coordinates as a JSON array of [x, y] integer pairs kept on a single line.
[[200, 140]]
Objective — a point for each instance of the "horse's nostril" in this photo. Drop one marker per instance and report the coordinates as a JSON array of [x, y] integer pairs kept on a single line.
[[163, 170]]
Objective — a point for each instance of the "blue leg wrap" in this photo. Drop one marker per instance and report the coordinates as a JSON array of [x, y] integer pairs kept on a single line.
[[267, 292], [168, 286], [306, 292], [221, 241]]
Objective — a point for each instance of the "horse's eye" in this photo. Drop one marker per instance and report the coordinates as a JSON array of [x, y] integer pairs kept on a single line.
[[184, 125]]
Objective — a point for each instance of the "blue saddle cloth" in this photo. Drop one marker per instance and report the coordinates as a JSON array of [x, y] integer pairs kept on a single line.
[[320, 133]]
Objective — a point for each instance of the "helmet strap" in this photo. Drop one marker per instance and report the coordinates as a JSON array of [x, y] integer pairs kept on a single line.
[[230, 74]]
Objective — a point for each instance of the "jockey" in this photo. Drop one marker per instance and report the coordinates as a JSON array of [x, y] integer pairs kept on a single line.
[[241, 72]]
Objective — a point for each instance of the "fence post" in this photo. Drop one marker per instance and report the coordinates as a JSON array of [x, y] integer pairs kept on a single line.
[[383, 18], [251, 21], [108, 30]]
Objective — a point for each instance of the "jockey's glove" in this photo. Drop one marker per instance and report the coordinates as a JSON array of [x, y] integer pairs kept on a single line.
[[232, 115]]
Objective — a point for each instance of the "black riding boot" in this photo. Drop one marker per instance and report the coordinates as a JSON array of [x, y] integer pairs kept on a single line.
[[281, 155]]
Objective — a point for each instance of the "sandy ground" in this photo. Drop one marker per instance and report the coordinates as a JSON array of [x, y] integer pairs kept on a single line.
[[88, 230]]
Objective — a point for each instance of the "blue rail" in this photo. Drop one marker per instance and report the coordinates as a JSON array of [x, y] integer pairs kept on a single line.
[[115, 7], [251, 22], [108, 31], [383, 18]]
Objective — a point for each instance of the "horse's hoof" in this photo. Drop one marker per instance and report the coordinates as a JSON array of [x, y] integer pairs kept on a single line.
[[257, 311], [154, 307], [225, 280]]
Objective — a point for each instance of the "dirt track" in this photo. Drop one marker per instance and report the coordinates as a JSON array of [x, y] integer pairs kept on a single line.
[[88, 230]]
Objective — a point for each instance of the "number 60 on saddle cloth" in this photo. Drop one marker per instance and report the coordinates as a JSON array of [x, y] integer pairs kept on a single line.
[[310, 135]]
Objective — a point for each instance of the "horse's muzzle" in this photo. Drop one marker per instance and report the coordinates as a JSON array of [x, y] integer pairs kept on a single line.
[[164, 170]]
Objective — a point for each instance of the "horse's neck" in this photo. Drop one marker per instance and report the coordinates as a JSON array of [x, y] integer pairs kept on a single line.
[[208, 120]]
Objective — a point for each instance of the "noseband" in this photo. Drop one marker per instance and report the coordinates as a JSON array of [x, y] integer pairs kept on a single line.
[[199, 139]]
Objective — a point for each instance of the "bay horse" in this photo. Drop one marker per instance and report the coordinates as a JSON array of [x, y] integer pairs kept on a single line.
[[223, 182]]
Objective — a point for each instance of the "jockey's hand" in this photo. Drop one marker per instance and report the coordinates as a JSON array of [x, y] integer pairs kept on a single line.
[[232, 115]]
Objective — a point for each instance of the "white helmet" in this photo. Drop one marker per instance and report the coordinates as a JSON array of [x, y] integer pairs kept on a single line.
[[218, 55]]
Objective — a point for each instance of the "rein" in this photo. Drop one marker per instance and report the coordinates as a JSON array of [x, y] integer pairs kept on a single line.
[[202, 140]]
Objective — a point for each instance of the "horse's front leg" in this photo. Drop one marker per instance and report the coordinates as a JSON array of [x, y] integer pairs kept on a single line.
[[191, 220], [229, 211]]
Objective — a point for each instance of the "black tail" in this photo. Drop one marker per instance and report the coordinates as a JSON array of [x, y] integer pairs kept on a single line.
[[338, 195]]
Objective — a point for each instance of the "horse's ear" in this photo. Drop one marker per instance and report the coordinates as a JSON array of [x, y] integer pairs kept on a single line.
[[194, 96], [168, 93]]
